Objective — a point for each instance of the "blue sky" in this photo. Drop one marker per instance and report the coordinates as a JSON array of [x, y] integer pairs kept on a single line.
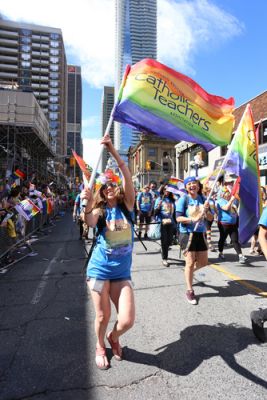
[[218, 43]]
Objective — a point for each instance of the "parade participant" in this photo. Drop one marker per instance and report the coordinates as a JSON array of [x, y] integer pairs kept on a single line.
[[191, 212], [228, 223], [77, 213], [260, 316], [254, 248], [164, 213], [153, 190], [144, 205], [206, 191], [109, 269]]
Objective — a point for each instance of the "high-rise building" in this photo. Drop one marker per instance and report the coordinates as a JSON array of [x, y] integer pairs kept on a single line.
[[32, 58], [107, 105], [74, 115], [136, 39]]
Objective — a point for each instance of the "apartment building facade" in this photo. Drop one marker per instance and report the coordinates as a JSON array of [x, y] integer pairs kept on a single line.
[[32, 58]]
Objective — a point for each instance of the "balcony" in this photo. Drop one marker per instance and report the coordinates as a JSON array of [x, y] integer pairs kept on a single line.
[[6, 33]]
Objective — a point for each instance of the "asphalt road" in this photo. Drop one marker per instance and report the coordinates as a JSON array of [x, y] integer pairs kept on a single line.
[[174, 351]]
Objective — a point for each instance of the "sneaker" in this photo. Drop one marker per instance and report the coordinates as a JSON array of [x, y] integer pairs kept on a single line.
[[221, 256], [257, 326], [165, 263], [211, 248], [190, 296], [242, 259]]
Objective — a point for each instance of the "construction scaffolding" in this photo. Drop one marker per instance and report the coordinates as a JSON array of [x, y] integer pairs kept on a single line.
[[24, 136]]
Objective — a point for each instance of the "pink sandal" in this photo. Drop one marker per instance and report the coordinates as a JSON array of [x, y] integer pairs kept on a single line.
[[101, 352], [115, 347]]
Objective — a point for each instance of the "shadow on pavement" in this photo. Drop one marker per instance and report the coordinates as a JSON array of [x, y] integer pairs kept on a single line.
[[198, 343], [233, 288]]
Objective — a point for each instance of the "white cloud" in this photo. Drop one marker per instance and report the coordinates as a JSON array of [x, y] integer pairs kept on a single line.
[[90, 121], [91, 151], [184, 29]]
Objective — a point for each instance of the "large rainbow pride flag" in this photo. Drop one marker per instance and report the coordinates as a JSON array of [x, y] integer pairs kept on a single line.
[[156, 99], [243, 154]]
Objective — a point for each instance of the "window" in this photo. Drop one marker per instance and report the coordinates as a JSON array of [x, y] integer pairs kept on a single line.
[[152, 152], [54, 36], [25, 57], [54, 75], [54, 67], [53, 116], [54, 92], [54, 60], [54, 84], [25, 40], [53, 125], [26, 32], [53, 107], [25, 64], [54, 52], [53, 99], [26, 48], [53, 132], [54, 44]]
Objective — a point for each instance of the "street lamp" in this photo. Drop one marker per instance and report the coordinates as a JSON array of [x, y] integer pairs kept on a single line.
[[197, 162], [166, 155]]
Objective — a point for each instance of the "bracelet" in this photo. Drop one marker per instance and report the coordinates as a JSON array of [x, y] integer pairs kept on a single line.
[[88, 212], [121, 164]]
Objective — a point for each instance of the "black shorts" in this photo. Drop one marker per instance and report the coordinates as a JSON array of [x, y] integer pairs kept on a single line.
[[195, 241], [144, 217]]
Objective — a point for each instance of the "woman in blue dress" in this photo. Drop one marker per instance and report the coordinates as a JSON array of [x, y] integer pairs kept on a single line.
[[109, 268]]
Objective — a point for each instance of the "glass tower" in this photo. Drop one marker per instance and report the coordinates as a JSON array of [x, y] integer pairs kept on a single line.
[[136, 39]]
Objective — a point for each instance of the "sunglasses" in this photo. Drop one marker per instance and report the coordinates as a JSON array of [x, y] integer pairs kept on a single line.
[[107, 185]]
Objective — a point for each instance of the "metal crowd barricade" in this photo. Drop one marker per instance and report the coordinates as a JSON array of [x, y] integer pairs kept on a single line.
[[36, 224]]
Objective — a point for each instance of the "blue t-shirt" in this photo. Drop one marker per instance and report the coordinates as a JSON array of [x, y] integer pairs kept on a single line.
[[190, 208], [165, 207], [263, 218], [112, 255], [226, 217], [145, 201], [78, 204]]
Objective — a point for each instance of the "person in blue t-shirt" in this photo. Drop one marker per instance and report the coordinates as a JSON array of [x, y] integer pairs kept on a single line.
[[191, 212], [77, 212], [109, 268], [228, 223], [145, 205], [258, 317]]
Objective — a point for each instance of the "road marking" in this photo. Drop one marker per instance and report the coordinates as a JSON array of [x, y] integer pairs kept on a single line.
[[241, 281], [41, 287]]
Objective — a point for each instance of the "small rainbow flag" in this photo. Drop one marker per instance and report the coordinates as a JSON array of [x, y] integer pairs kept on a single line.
[[156, 99], [27, 209], [176, 186], [20, 174], [82, 164]]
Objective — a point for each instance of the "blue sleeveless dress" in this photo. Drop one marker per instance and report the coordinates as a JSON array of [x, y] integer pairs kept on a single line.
[[112, 256]]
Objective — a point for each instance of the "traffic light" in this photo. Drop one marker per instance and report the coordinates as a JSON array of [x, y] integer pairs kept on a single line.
[[148, 165], [165, 166]]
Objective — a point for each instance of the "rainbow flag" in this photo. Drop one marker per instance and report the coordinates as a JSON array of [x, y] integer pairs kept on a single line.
[[243, 157], [176, 186], [27, 209], [20, 174], [156, 99], [82, 164]]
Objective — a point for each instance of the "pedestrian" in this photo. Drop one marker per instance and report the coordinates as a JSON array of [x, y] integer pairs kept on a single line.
[[77, 214], [145, 205], [109, 268], [228, 223], [255, 247], [206, 191], [165, 214], [258, 317], [191, 212]]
